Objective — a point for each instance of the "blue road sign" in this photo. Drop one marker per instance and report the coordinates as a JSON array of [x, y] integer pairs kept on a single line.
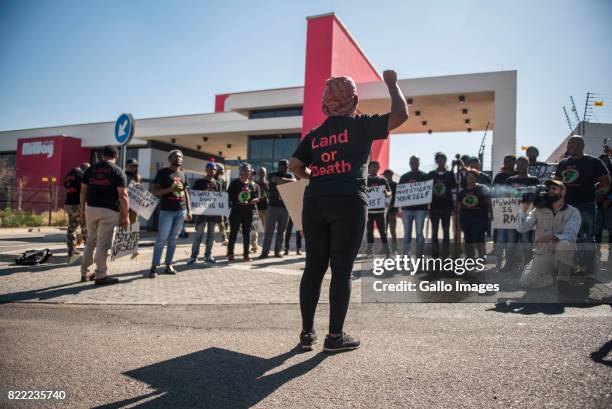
[[124, 129]]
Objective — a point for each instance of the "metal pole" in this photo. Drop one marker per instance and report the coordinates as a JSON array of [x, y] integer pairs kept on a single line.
[[123, 156], [50, 200]]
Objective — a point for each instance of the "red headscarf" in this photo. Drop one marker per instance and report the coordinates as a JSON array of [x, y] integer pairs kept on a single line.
[[340, 97]]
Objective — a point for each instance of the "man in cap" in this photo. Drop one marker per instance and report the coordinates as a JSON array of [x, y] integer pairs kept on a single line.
[[556, 230], [222, 180], [277, 216]]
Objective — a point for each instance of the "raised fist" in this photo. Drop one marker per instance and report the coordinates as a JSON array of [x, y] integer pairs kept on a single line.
[[390, 77]]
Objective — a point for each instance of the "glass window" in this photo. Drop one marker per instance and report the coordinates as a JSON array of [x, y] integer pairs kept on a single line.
[[275, 112]]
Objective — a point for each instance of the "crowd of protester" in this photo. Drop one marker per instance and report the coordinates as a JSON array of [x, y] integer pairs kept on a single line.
[[461, 197]]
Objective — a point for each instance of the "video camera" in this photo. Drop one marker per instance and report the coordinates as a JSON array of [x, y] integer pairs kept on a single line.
[[537, 195]]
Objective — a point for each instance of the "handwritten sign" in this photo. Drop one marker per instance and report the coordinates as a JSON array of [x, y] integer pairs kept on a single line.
[[142, 201], [125, 241], [208, 203], [376, 197], [292, 194], [543, 171], [412, 194], [505, 212]]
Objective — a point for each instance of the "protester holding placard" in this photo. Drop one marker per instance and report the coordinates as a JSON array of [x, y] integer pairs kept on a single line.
[[277, 216], [72, 184], [504, 238], [441, 206], [131, 172], [104, 204], [262, 206], [205, 222], [334, 157], [416, 213], [522, 184], [222, 179], [474, 210], [582, 176], [376, 214], [171, 185], [556, 229], [243, 196], [392, 210]]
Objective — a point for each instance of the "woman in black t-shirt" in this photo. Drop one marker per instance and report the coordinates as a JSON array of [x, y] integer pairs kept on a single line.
[[243, 195], [334, 157], [475, 205]]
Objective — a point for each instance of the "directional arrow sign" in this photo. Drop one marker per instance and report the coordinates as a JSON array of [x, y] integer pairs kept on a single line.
[[124, 129]]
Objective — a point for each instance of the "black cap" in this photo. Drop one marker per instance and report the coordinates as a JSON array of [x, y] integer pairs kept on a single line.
[[110, 151], [132, 161]]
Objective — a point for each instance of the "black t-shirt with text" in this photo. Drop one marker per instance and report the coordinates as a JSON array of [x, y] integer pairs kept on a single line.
[[72, 184], [174, 200], [102, 180], [443, 185], [474, 203], [410, 177], [338, 152], [240, 193], [374, 181], [275, 198], [579, 177]]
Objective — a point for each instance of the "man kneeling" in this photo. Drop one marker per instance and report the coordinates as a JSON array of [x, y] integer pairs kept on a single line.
[[556, 229]]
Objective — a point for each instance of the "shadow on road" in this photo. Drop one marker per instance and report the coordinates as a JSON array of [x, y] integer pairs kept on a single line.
[[49, 293], [214, 378], [600, 356]]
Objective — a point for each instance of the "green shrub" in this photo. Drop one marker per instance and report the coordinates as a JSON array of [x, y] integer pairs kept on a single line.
[[13, 218]]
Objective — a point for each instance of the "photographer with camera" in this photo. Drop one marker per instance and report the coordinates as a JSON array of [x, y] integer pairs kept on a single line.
[[556, 230]]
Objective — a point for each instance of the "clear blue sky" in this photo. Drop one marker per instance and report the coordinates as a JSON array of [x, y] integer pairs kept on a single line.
[[64, 62]]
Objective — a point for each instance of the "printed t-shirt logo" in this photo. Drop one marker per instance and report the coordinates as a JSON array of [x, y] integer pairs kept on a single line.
[[439, 189], [470, 200], [570, 175]]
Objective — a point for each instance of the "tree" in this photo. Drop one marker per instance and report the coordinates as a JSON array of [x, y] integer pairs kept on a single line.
[[7, 176]]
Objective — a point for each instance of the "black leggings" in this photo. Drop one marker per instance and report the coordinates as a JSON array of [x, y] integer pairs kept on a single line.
[[240, 216], [333, 230], [436, 216], [381, 224], [474, 230]]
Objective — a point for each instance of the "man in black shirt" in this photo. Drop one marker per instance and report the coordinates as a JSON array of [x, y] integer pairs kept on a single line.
[[262, 205], [392, 211], [104, 204], [171, 185], [415, 213], [604, 210], [204, 222], [505, 239], [243, 195], [474, 163], [441, 206], [277, 216], [582, 176], [376, 214], [521, 184], [72, 184]]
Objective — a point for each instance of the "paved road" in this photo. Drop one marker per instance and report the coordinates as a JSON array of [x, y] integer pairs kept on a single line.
[[238, 356]]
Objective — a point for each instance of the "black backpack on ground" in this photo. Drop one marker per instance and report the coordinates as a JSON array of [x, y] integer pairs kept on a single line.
[[33, 257]]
